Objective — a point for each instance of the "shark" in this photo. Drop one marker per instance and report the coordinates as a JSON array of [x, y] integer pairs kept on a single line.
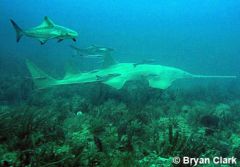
[[45, 31], [116, 75], [92, 51]]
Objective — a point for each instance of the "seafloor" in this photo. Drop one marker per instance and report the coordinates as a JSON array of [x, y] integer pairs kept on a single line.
[[95, 125]]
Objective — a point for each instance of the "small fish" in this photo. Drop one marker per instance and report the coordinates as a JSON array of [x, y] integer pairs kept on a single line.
[[92, 51], [45, 31]]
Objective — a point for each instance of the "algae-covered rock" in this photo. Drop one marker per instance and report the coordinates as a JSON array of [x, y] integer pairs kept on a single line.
[[154, 160], [210, 121], [3, 150], [10, 158], [73, 123], [110, 137], [222, 110], [61, 150], [80, 138], [235, 140], [186, 108], [122, 159]]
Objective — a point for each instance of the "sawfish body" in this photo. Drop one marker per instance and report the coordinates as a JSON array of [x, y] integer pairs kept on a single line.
[[158, 76]]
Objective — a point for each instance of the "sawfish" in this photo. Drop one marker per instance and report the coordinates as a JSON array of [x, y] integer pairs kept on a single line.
[[117, 74], [45, 31]]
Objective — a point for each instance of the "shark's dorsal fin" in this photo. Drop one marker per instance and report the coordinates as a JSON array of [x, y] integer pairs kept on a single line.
[[108, 60], [47, 22]]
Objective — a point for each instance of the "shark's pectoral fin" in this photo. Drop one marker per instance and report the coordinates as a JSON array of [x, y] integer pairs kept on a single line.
[[159, 83], [60, 40], [42, 41], [117, 82]]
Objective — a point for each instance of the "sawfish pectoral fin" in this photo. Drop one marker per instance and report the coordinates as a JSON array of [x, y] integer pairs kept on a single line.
[[60, 40], [117, 82], [159, 83]]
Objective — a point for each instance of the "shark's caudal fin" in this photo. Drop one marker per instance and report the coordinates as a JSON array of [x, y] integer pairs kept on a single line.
[[40, 78], [19, 31]]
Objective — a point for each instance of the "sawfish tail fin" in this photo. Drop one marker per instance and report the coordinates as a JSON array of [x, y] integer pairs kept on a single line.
[[19, 31], [40, 78], [215, 76]]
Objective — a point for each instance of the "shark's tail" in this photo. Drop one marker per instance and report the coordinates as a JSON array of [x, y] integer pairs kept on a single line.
[[19, 31], [40, 78]]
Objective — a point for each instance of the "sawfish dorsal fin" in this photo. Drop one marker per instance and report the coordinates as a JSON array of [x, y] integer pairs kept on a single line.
[[108, 60], [47, 22], [71, 69]]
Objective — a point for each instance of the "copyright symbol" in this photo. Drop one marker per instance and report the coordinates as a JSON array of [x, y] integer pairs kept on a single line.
[[176, 160]]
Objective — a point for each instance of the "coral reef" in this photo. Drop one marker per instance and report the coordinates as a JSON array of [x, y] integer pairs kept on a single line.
[[94, 125]]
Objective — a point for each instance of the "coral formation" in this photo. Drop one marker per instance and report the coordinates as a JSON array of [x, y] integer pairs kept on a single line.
[[136, 126]]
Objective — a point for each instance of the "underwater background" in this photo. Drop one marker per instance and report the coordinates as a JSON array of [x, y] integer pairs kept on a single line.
[[94, 125]]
